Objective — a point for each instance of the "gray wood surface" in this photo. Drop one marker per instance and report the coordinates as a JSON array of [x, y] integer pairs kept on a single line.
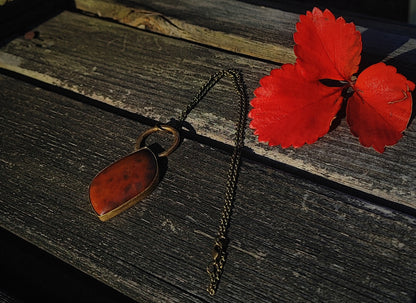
[[330, 222], [155, 76], [291, 240], [254, 30]]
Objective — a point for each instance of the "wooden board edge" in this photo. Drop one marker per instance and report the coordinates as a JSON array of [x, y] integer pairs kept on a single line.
[[156, 22]]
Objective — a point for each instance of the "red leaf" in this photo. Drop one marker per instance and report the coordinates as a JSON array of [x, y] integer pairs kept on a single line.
[[290, 110], [327, 48], [381, 106], [293, 106]]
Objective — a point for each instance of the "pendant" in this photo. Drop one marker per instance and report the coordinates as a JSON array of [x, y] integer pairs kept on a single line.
[[129, 180]]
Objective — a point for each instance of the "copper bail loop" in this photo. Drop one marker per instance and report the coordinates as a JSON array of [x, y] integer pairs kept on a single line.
[[164, 128]]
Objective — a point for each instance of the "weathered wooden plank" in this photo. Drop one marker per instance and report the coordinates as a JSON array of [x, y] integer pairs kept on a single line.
[[291, 240], [156, 76], [253, 30], [214, 23]]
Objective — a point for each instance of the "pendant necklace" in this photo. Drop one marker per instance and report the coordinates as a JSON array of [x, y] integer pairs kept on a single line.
[[132, 178]]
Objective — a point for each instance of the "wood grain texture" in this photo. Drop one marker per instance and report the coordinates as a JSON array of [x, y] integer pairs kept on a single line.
[[257, 31], [291, 240], [156, 76], [6, 298], [213, 23]]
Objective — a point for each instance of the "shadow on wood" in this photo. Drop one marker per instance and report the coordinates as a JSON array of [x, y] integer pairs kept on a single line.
[[30, 274]]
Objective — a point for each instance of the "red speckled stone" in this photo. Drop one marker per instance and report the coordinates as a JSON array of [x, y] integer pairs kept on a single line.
[[123, 180]]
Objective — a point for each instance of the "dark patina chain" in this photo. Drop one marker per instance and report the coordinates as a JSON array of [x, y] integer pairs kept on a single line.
[[215, 268]]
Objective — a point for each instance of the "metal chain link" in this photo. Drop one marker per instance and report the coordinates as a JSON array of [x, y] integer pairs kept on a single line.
[[215, 268]]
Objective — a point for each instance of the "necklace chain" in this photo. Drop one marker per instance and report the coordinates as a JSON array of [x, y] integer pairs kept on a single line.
[[215, 268]]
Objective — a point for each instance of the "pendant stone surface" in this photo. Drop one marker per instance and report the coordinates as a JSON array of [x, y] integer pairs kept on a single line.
[[124, 183]]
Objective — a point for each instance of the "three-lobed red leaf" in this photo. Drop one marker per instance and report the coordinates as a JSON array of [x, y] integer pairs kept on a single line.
[[293, 107], [379, 110]]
